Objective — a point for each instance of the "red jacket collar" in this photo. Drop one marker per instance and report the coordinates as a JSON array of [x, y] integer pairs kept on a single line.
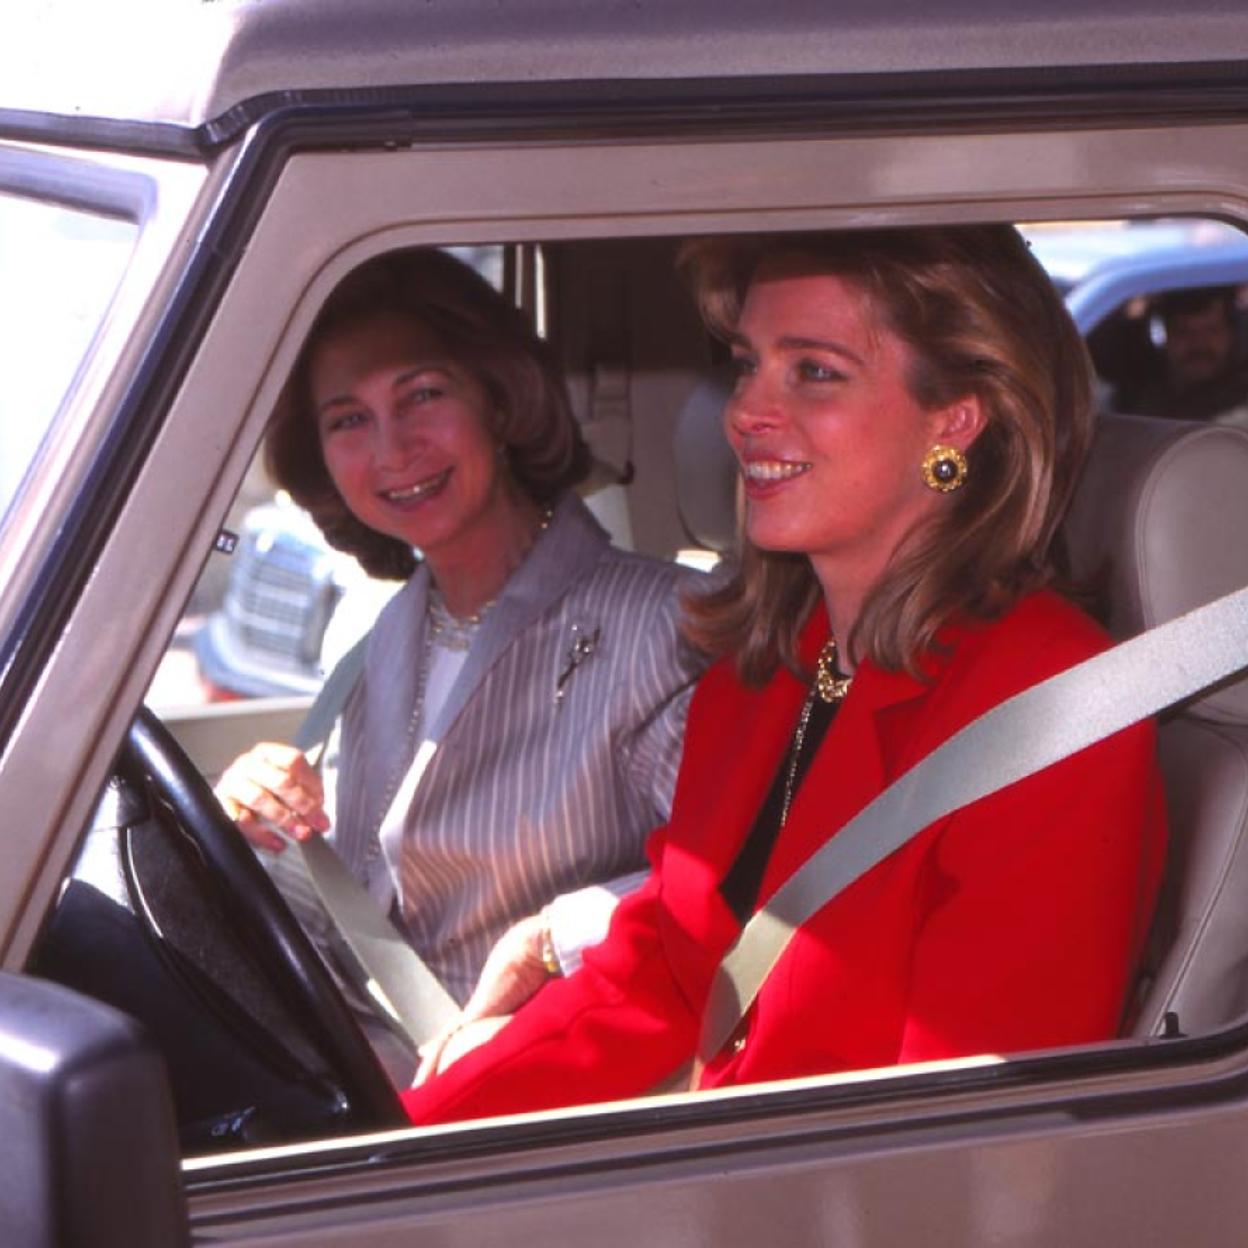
[[884, 687]]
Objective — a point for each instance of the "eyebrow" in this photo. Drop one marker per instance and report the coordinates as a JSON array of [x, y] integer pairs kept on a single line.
[[402, 379], [792, 342]]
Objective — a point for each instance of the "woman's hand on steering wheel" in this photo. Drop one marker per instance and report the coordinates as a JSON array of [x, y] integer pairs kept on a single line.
[[273, 786]]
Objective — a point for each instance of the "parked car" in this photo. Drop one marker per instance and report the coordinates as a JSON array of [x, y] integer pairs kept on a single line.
[[1114, 277], [285, 586], [236, 162]]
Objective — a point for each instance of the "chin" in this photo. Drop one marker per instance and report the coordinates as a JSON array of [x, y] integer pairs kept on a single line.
[[777, 543]]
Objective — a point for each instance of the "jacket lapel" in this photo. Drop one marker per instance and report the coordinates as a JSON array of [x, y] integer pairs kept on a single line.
[[572, 543], [570, 546]]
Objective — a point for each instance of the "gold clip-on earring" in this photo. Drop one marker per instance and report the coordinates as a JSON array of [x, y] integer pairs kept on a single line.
[[944, 469]]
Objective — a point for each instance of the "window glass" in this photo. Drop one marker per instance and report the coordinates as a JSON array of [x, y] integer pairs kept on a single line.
[[59, 267]]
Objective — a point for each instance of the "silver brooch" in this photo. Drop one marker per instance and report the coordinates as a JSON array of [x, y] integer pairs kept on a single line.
[[582, 645]]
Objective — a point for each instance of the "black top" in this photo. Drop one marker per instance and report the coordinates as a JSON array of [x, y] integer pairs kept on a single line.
[[739, 888]]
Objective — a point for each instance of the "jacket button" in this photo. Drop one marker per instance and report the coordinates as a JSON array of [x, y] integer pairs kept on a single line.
[[738, 1044]]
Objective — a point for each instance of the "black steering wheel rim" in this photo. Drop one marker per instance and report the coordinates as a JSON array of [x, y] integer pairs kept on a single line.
[[265, 921]]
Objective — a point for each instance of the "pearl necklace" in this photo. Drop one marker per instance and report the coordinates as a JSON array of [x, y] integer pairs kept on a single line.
[[452, 632], [455, 632]]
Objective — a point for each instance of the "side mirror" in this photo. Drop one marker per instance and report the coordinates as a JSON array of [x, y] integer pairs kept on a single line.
[[88, 1146]]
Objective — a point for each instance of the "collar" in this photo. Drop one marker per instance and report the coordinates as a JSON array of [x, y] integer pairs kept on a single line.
[[883, 686]]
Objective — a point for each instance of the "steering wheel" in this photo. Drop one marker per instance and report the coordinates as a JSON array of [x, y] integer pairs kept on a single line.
[[261, 917]]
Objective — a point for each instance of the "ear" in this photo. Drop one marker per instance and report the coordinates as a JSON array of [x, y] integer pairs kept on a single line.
[[960, 423]]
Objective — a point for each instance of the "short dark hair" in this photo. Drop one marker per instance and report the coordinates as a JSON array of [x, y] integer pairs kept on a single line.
[[482, 332], [1194, 299]]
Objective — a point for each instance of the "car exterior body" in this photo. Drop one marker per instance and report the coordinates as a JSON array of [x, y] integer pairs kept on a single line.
[[272, 146]]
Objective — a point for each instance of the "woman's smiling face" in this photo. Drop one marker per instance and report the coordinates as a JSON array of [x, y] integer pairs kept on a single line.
[[405, 432], [828, 436]]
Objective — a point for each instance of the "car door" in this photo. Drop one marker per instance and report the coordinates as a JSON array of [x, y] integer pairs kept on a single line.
[[1126, 1142]]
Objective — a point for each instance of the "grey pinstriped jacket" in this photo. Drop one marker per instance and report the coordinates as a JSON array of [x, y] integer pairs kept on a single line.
[[524, 798]]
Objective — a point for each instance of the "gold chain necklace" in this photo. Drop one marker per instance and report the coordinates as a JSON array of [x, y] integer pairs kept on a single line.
[[828, 687], [832, 687]]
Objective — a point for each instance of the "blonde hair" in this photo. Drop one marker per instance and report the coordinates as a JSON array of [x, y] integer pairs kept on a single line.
[[481, 331], [980, 317]]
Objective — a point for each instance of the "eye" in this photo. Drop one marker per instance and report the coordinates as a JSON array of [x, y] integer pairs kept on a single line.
[[343, 420], [743, 365], [816, 371], [417, 395]]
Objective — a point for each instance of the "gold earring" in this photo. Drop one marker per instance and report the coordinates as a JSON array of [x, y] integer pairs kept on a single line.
[[944, 469]]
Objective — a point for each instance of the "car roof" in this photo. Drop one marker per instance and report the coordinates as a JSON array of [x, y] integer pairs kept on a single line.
[[187, 62]]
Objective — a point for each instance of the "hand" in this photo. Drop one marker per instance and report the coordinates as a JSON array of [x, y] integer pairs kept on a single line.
[[513, 972], [454, 1041], [273, 784]]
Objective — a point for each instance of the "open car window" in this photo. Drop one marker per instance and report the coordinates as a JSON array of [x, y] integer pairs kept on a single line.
[[669, 387]]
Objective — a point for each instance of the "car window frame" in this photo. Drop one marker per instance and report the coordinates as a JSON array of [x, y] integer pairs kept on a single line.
[[156, 197]]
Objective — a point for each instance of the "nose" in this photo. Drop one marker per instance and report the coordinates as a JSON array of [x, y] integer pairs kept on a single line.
[[752, 408], [396, 436]]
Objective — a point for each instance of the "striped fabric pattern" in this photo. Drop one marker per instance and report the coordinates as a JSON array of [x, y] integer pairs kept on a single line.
[[526, 796]]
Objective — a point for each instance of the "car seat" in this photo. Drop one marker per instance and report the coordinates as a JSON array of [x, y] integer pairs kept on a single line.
[[706, 468], [1157, 528]]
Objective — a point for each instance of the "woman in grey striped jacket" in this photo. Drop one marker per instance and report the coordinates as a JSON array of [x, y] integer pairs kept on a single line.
[[516, 730]]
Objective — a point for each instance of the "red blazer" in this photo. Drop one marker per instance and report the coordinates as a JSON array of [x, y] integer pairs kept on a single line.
[[1016, 923]]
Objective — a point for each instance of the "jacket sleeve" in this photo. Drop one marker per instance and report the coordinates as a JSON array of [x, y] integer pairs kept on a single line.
[[616, 1028], [1036, 906], [650, 706], [580, 919]]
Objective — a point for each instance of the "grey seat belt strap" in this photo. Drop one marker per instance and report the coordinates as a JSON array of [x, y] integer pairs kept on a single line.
[[413, 995], [1028, 732], [318, 723]]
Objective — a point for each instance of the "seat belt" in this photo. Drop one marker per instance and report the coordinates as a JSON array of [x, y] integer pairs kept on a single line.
[[398, 979], [1062, 715]]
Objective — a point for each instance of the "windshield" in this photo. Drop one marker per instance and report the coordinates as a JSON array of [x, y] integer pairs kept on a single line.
[[59, 268]]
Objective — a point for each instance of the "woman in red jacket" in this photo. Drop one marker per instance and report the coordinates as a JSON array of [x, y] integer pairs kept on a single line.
[[910, 414]]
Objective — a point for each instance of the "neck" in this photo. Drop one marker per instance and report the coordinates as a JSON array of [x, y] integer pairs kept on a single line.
[[473, 575], [843, 603]]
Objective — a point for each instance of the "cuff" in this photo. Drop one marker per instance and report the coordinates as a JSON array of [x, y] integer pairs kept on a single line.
[[578, 920]]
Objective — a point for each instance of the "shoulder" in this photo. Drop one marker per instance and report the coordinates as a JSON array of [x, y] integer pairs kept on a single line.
[[978, 663], [1041, 634], [638, 585]]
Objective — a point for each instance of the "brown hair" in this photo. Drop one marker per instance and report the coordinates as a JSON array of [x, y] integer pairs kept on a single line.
[[980, 317], [479, 330]]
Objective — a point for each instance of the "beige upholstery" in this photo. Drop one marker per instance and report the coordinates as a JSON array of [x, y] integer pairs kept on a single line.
[[632, 362], [706, 469], [1159, 526]]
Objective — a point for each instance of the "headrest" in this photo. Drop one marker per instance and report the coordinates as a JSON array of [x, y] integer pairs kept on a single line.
[[706, 469], [1157, 527]]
